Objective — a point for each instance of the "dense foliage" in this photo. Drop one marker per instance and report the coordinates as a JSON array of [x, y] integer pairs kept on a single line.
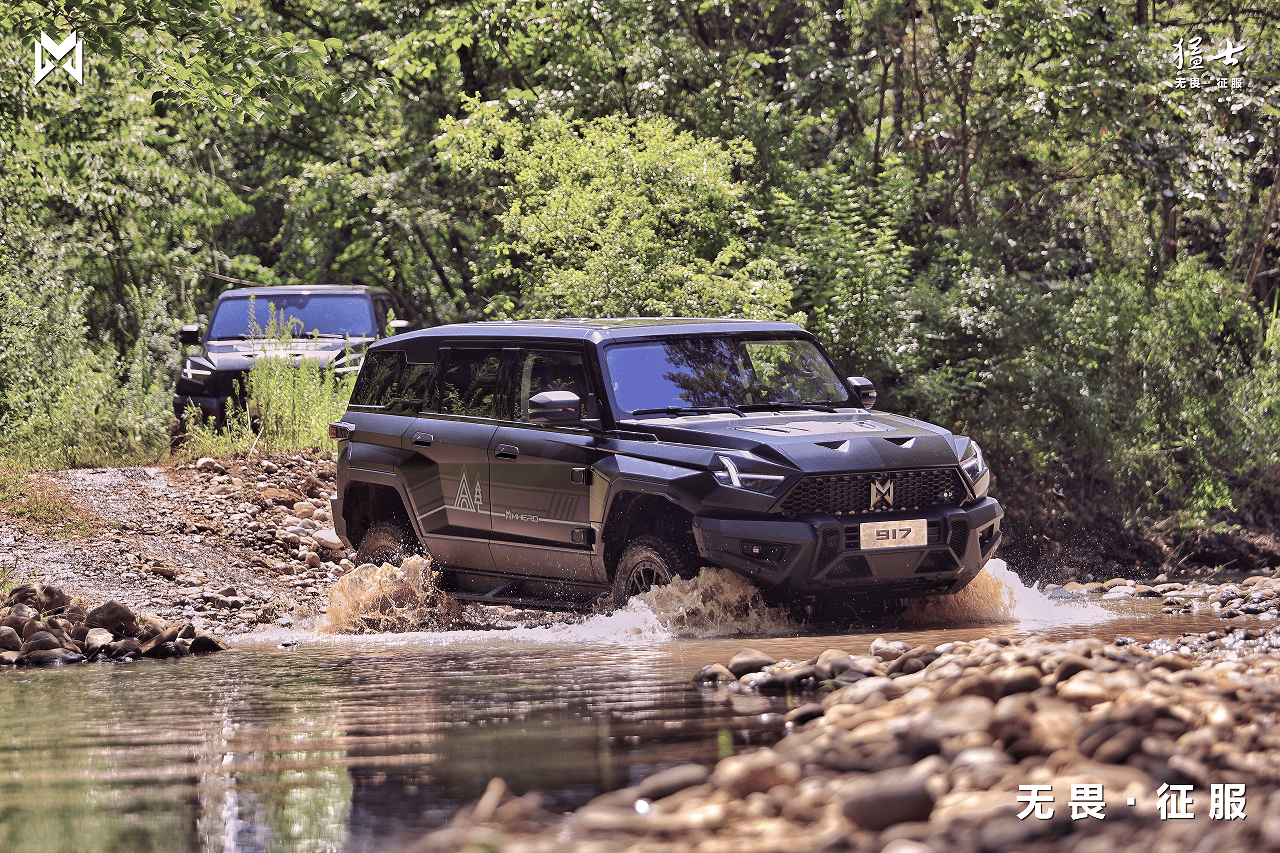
[[1019, 218]]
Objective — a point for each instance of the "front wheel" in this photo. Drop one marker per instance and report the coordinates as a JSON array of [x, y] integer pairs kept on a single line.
[[648, 561], [386, 542]]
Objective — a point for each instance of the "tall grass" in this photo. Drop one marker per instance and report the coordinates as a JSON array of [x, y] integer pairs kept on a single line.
[[289, 405]]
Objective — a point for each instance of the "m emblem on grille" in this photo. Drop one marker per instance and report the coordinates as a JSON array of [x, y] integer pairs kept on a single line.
[[882, 494]]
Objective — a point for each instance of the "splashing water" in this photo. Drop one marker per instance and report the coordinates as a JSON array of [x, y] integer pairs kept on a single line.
[[403, 600], [998, 596], [387, 598], [716, 603]]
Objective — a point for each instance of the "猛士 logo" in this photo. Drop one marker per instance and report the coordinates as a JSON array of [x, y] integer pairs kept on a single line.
[[73, 66]]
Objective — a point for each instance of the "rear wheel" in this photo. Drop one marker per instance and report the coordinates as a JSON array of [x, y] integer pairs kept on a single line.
[[646, 562], [386, 542]]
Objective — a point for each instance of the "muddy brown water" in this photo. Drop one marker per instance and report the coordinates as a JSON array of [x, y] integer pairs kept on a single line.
[[365, 743]]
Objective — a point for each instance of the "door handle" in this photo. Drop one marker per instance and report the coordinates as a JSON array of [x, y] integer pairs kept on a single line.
[[423, 439], [506, 451]]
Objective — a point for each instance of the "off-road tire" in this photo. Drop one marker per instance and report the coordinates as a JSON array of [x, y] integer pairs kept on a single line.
[[386, 542], [646, 562]]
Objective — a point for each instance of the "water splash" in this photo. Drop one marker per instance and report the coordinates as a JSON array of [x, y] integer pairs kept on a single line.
[[716, 603], [998, 596], [387, 598]]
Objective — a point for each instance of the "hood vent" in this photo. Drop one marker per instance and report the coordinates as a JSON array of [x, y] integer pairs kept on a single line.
[[842, 446], [902, 442]]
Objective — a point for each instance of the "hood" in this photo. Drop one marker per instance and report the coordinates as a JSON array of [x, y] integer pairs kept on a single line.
[[242, 354], [816, 442]]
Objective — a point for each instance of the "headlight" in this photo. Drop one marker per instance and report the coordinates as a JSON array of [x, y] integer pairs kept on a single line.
[[975, 468], [726, 472]]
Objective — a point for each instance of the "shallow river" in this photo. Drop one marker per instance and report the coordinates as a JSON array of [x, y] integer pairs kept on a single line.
[[364, 743]]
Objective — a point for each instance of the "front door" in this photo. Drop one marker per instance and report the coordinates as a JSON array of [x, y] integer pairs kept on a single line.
[[540, 475]]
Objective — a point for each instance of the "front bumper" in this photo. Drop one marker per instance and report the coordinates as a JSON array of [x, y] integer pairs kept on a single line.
[[210, 407], [819, 557]]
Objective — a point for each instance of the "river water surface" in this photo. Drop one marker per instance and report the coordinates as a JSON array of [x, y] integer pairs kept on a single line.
[[307, 742]]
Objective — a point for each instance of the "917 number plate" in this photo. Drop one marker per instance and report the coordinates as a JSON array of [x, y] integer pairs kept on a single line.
[[893, 534]]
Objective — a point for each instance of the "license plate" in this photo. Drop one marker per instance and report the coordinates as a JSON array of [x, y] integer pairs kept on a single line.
[[893, 534]]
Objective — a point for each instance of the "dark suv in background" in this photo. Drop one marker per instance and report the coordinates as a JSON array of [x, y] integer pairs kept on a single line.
[[557, 463], [326, 324]]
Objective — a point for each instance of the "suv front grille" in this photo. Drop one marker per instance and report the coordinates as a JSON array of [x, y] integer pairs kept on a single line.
[[851, 494]]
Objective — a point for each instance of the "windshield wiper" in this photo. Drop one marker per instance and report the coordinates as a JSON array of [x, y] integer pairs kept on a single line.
[[779, 407], [691, 410]]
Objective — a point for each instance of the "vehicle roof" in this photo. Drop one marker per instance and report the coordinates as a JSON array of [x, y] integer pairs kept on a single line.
[[598, 330], [297, 289]]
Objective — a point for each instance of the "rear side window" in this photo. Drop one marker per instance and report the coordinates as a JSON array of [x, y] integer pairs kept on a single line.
[[470, 385], [387, 381]]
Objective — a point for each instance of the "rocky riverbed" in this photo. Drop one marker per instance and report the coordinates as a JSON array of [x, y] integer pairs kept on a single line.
[[231, 546], [993, 745], [40, 626]]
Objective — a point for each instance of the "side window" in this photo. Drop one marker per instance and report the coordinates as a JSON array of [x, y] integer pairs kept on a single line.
[[379, 379], [470, 384], [387, 382], [551, 370]]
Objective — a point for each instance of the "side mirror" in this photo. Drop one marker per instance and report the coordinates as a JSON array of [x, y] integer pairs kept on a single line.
[[865, 390], [554, 407], [398, 326], [189, 335]]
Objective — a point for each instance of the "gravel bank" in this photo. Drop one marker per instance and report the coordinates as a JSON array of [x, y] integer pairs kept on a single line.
[[1170, 746]]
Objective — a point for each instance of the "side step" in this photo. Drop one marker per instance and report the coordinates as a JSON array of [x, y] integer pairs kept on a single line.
[[530, 593]]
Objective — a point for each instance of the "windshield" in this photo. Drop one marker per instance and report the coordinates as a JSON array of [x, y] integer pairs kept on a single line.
[[722, 371], [301, 314]]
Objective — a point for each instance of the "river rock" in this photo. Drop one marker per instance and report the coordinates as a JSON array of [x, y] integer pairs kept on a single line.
[[713, 674], [328, 538], [1022, 679], [9, 639], [957, 717], [664, 783], [96, 640], [50, 657], [789, 678], [126, 646], [755, 771], [40, 597], [114, 616], [886, 651], [203, 644], [9, 658], [805, 713], [749, 660], [165, 637], [40, 641], [833, 662], [280, 496], [1089, 687], [886, 798]]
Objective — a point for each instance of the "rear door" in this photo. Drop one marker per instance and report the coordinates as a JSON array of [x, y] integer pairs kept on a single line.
[[540, 474], [453, 435]]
